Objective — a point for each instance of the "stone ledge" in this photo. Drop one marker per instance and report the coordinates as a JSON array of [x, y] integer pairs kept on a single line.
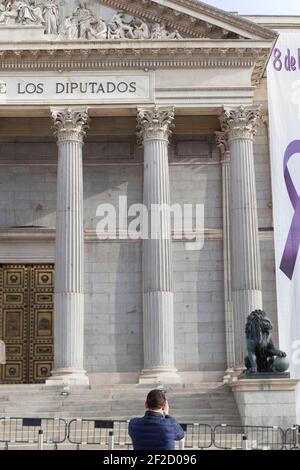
[[264, 385], [18, 33]]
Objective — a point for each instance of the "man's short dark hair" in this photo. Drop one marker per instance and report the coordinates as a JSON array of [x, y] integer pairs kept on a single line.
[[156, 399]]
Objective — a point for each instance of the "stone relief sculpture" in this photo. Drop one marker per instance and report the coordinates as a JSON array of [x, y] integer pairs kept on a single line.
[[29, 12], [159, 31], [84, 19], [21, 12], [82, 24], [8, 14], [69, 29]]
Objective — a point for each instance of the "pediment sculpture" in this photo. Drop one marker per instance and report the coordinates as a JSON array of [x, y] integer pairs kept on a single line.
[[82, 24]]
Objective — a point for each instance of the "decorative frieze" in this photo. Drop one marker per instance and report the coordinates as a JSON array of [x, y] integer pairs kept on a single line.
[[183, 11], [82, 24], [132, 20]]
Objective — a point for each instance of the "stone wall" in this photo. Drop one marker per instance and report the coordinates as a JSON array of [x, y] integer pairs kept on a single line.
[[113, 307]]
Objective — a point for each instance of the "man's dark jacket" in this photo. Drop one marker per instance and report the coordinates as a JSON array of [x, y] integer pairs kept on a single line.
[[155, 432]]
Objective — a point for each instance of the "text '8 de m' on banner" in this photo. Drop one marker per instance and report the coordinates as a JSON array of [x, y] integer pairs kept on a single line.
[[284, 115]]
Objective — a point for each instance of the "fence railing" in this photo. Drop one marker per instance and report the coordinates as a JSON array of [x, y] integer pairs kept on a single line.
[[197, 436], [104, 433], [109, 434], [292, 438], [249, 437], [50, 431]]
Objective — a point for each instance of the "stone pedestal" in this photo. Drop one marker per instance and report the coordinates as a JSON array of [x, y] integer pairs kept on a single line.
[[266, 402], [70, 128], [154, 130]]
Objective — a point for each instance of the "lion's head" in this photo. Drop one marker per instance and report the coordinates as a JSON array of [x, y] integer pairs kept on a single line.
[[258, 327]]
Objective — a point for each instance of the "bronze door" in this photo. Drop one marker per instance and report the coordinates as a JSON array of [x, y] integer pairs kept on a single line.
[[26, 322]]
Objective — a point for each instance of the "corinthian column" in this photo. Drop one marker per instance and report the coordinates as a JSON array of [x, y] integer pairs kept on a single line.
[[154, 130], [70, 128], [240, 126]]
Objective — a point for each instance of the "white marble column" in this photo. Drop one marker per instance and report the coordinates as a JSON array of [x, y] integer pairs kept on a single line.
[[70, 128], [240, 126], [222, 144], [154, 129]]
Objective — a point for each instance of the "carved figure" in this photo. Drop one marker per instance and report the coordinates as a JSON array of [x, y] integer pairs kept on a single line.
[[99, 31], [8, 13], [159, 31], [69, 29], [124, 28], [29, 13], [140, 29], [85, 20], [114, 31], [51, 17], [261, 350]]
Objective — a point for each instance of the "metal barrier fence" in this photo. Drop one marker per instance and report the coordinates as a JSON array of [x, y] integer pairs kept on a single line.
[[292, 438], [108, 434], [248, 437], [103, 433], [33, 431], [197, 436]]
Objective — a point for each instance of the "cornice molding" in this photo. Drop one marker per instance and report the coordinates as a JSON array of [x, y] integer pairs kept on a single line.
[[152, 56], [38, 234]]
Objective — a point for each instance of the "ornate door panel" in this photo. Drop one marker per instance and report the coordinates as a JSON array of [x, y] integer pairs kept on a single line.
[[26, 322]]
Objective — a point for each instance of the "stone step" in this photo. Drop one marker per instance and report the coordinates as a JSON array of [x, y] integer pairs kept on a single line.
[[110, 408], [208, 402], [23, 388], [95, 398]]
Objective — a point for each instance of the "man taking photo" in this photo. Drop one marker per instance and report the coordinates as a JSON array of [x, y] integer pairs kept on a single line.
[[157, 430]]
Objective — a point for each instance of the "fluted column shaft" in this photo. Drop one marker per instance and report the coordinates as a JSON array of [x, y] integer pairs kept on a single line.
[[158, 313], [240, 126], [229, 321], [70, 128]]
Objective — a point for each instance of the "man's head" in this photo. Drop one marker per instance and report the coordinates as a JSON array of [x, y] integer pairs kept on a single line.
[[156, 400]]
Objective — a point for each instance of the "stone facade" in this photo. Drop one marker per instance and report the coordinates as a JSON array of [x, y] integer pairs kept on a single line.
[[137, 92]]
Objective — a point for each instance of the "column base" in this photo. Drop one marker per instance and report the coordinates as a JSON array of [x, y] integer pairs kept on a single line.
[[159, 376], [68, 377]]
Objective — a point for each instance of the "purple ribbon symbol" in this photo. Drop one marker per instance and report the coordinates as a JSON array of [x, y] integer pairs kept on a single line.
[[292, 246]]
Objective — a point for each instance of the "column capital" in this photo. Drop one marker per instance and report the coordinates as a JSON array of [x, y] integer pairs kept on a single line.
[[155, 123], [70, 124], [241, 122], [222, 144]]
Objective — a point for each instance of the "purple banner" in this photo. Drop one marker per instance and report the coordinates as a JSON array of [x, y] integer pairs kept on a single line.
[[290, 254]]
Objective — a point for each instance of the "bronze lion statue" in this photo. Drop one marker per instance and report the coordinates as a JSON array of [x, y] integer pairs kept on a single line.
[[261, 350]]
